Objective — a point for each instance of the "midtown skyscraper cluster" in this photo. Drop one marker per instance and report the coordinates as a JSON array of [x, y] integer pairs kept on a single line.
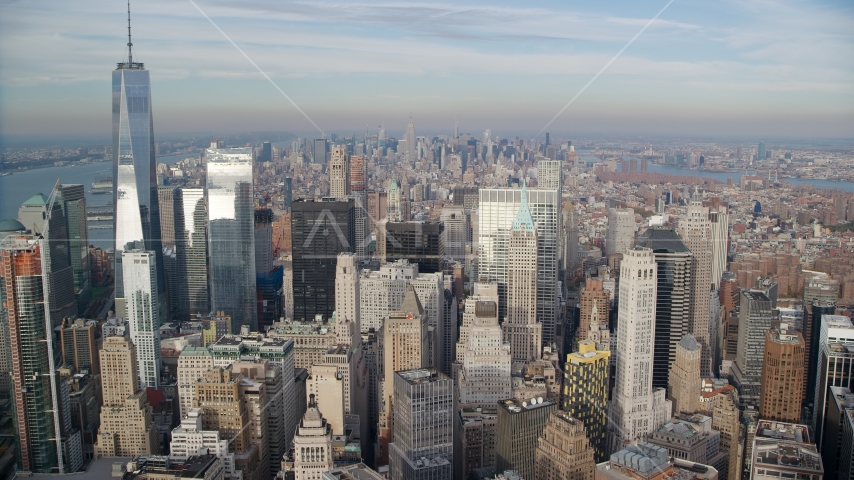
[[423, 307]]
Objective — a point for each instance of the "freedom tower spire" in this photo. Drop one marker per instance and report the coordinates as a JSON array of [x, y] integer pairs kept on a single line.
[[136, 213]]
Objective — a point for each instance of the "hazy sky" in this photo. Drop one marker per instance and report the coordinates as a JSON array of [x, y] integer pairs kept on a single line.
[[766, 67]]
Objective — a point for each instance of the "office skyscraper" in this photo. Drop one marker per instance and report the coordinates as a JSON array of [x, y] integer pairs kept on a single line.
[[484, 373], [520, 326], [410, 142], [636, 409], [455, 231], [48, 220], [417, 242], [195, 253], [684, 384], [820, 297], [359, 194], [394, 207], [672, 297], [171, 226], [405, 347], [320, 231], [321, 148], [520, 425], [140, 279], [312, 444], [339, 173], [347, 289], [621, 230], [497, 209], [231, 239], [696, 231], [782, 375], [74, 209], [835, 366], [585, 393], [127, 428], [33, 374], [563, 451], [423, 426], [136, 215], [549, 174], [754, 319]]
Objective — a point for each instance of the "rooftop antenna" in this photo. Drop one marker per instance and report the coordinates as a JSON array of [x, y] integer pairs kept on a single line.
[[130, 44]]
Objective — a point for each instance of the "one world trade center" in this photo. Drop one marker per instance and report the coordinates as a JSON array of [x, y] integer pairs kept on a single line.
[[136, 213]]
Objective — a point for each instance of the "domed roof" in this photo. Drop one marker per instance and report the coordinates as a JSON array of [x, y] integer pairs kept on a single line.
[[12, 225]]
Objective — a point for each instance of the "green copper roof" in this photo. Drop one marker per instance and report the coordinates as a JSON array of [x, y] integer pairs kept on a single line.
[[11, 225], [523, 217], [37, 200]]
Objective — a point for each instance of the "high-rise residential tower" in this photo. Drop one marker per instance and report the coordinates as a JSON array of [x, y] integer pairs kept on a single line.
[[636, 409], [782, 375], [585, 393], [231, 239], [33, 384], [136, 214], [521, 328], [140, 280], [672, 297]]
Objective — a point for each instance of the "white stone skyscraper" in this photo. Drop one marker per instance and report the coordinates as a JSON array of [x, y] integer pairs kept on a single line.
[[139, 273], [696, 231], [520, 325], [484, 375], [621, 230], [636, 409], [393, 207], [347, 289], [339, 173]]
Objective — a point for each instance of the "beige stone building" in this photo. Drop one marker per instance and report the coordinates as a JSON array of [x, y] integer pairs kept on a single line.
[[563, 451], [684, 382], [520, 327], [782, 375], [127, 428]]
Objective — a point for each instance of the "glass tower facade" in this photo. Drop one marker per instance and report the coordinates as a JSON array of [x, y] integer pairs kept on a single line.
[[231, 239], [195, 257], [136, 213], [496, 212]]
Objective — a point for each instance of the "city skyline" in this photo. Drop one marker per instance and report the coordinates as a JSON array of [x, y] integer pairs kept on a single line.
[[693, 71]]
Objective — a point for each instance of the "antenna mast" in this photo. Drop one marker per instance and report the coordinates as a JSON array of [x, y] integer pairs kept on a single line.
[[130, 44]]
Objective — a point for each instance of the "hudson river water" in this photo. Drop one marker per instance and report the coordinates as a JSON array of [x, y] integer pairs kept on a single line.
[[18, 187], [15, 189]]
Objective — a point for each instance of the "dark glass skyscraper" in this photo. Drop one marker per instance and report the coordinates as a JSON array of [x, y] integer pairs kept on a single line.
[[320, 231], [136, 212]]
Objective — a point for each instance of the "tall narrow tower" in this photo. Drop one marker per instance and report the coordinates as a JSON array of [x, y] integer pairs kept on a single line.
[[339, 173], [136, 213], [24, 310], [696, 231], [520, 326], [636, 409], [231, 236]]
